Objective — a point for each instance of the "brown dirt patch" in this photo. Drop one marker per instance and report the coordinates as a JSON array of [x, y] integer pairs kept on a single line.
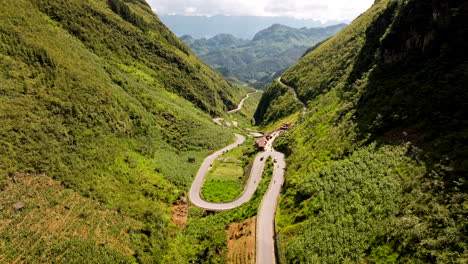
[[180, 213], [241, 242]]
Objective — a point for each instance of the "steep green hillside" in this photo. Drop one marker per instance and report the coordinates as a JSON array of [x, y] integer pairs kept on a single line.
[[101, 96], [377, 168], [256, 61]]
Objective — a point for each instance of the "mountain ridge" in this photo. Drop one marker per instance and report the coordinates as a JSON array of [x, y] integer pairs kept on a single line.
[[254, 62], [102, 97], [244, 27], [381, 144]]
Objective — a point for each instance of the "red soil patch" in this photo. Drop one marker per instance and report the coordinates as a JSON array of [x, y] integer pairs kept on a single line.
[[180, 213], [241, 242]]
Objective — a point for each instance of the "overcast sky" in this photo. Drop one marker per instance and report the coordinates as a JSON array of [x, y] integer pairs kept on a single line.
[[323, 10]]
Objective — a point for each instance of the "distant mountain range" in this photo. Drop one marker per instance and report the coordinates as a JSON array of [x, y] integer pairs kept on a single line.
[[257, 61], [244, 27]]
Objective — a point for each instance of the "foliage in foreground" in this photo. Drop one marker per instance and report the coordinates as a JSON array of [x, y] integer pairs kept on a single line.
[[377, 168], [103, 97], [60, 226]]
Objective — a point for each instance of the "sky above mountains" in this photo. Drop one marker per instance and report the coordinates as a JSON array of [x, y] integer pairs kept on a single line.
[[324, 11]]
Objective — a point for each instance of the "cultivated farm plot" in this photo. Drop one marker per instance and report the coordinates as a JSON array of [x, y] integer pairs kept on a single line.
[[241, 242], [57, 225]]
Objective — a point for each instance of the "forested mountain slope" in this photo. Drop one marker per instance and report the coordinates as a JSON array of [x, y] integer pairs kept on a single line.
[[101, 96], [377, 167], [256, 61]]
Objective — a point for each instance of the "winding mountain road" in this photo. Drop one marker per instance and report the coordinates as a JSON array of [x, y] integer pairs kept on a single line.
[[304, 106], [250, 187], [265, 234], [239, 107]]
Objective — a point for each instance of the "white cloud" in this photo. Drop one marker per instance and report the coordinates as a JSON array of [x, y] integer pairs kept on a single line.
[[323, 10], [190, 10]]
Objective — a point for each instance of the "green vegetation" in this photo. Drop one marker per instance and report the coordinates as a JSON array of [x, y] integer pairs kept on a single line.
[[58, 225], [377, 168], [126, 13], [204, 238], [244, 117], [225, 181], [257, 62], [277, 103], [111, 104]]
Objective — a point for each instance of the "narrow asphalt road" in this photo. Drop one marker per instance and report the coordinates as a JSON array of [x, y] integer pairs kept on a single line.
[[250, 187], [267, 213], [241, 103], [304, 106], [265, 240]]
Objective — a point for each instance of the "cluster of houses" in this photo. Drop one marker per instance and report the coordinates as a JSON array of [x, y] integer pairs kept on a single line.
[[261, 143]]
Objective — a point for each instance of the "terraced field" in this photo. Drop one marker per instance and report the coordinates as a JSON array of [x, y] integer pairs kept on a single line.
[[241, 244], [56, 225]]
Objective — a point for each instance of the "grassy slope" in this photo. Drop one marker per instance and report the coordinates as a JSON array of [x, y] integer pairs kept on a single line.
[[90, 97], [59, 225], [245, 116], [377, 169]]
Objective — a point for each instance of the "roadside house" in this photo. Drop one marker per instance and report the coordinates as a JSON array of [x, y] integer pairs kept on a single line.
[[261, 144]]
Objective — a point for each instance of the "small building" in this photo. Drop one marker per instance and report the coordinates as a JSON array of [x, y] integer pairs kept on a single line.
[[191, 160], [261, 144]]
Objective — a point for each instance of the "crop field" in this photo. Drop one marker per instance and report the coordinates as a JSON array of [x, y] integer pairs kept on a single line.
[[56, 225]]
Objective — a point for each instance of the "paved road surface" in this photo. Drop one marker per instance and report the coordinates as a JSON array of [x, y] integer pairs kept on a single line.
[[250, 187], [219, 121], [304, 106], [241, 103], [265, 252], [265, 248]]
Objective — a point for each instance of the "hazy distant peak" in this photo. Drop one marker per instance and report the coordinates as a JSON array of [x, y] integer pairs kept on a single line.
[[186, 37], [282, 33], [224, 36], [244, 27], [224, 40]]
